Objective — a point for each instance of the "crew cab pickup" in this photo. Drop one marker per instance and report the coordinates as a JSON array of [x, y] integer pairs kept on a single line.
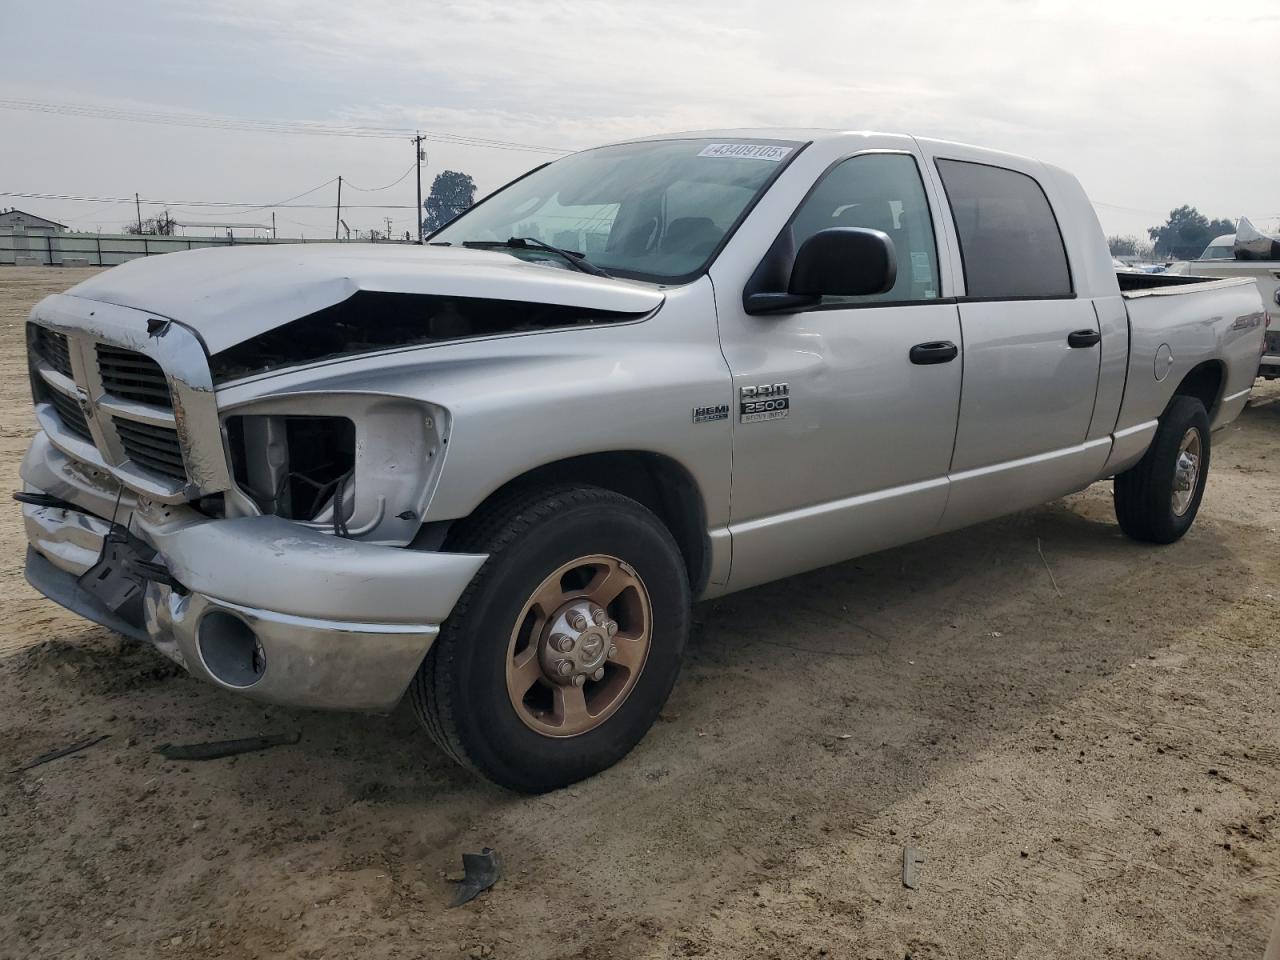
[[493, 472]]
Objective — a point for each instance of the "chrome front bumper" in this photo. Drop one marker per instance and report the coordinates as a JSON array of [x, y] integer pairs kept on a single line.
[[321, 621]]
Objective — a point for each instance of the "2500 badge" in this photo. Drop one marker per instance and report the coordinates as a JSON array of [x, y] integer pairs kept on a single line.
[[766, 401]]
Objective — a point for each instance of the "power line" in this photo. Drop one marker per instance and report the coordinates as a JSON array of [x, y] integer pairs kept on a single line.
[[298, 196], [1116, 206], [290, 127], [352, 186], [251, 208]]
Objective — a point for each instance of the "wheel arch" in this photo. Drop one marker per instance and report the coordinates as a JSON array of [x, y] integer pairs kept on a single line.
[[1204, 382], [656, 481]]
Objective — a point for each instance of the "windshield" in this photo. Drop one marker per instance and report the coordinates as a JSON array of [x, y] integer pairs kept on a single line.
[[657, 210], [1218, 253]]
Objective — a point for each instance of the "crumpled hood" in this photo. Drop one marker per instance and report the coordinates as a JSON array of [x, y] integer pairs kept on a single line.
[[231, 294]]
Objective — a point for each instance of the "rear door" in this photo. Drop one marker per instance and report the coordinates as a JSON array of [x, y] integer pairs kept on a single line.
[[1031, 347]]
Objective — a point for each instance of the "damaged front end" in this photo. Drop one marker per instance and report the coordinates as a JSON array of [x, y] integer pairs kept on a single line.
[[246, 487], [357, 465], [358, 462], [258, 547]]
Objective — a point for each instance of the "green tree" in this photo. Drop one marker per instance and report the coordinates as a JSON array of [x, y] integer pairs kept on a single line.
[[1186, 233], [451, 193]]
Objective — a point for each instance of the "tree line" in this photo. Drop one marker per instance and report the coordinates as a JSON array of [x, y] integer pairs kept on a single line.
[[1182, 237]]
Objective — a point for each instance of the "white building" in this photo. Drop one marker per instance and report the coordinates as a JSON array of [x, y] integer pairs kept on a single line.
[[22, 222]]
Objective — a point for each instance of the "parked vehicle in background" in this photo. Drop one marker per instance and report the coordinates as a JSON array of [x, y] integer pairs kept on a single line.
[[495, 472], [1224, 258], [1220, 248]]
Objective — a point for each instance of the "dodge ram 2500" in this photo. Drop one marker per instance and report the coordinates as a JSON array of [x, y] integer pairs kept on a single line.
[[493, 472]]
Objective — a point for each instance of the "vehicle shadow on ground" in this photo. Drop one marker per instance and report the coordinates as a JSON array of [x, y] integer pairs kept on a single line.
[[806, 705]]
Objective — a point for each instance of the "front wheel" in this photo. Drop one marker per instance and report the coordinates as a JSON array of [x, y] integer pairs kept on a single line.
[[561, 652], [1157, 499]]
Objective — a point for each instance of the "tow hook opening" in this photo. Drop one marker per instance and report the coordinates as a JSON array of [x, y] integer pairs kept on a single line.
[[230, 649]]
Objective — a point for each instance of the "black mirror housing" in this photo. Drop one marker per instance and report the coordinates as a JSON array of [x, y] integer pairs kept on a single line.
[[844, 262]]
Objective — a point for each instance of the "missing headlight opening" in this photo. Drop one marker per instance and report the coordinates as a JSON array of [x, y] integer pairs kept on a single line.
[[299, 468]]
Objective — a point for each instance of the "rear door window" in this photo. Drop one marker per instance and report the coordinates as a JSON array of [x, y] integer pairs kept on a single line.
[[1009, 237]]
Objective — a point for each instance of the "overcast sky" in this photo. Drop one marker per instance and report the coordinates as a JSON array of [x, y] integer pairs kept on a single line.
[[1151, 104]]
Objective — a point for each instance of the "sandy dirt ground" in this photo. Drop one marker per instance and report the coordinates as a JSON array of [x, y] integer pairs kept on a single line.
[[1088, 770]]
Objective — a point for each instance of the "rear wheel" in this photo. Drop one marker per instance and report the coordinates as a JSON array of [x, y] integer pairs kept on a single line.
[[1157, 499], [562, 650]]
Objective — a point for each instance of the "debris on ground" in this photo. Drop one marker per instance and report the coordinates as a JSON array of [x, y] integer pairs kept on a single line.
[[62, 752], [1052, 578], [217, 749], [480, 872], [912, 860]]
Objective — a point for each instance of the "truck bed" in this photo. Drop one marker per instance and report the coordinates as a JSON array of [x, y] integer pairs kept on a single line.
[[1265, 272], [1214, 321], [1135, 283]]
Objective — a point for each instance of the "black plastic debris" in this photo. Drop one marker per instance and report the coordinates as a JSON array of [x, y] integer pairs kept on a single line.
[[62, 752], [480, 872], [226, 748]]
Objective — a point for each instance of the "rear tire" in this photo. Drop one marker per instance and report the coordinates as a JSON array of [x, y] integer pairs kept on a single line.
[[1157, 499], [554, 552]]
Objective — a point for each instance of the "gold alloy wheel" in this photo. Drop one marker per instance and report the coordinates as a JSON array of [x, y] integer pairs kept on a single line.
[[579, 646], [1187, 471]]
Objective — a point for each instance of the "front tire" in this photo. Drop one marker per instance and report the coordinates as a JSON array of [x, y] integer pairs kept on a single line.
[[1157, 499], [561, 652]]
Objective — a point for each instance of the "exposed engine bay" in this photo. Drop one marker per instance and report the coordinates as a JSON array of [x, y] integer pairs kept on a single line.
[[296, 467], [369, 321]]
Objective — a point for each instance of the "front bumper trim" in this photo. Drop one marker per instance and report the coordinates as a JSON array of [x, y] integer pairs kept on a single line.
[[341, 624]]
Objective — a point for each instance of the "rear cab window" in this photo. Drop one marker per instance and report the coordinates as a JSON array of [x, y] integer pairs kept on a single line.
[[1010, 243]]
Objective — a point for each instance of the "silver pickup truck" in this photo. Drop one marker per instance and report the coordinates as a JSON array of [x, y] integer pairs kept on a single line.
[[493, 472]]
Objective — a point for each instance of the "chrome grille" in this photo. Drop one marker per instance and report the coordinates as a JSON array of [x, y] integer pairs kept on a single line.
[[133, 376], [71, 415], [155, 448], [123, 391], [51, 347]]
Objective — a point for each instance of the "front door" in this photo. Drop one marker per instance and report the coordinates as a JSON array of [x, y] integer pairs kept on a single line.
[[845, 413]]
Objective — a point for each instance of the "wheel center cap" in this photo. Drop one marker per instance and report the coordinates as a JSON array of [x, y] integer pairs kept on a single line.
[[576, 643], [1185, 473]]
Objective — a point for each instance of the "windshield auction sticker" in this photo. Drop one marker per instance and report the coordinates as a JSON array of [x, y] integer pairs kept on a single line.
[[746, 151]]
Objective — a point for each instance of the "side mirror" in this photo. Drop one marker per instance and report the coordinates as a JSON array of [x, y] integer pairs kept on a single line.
[[844, 262], [836, 262]]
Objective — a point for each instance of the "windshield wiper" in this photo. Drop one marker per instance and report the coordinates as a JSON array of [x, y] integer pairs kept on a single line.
[[576, 260]]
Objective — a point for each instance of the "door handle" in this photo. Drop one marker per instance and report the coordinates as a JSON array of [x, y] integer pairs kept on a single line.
[[936, 351], [1083, 338]]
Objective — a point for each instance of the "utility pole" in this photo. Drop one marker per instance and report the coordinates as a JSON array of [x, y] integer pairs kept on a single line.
[[417, 146], [137, 204], [337, 214], [273, 224]]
